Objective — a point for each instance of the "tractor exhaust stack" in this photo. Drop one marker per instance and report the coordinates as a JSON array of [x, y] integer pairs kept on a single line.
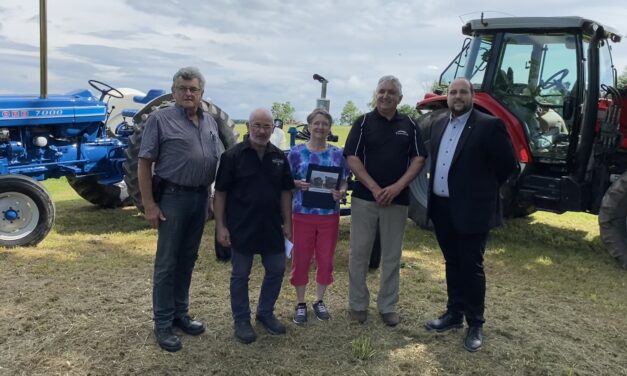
[[43, 50]]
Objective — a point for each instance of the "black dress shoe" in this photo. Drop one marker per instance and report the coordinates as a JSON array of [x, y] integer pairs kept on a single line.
[[189, 326], [445, 322], [244, 332], [272, 324], [167, 340], [473, 339]]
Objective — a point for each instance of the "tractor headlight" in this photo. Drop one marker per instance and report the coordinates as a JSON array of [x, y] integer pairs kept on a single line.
[[40, 141]]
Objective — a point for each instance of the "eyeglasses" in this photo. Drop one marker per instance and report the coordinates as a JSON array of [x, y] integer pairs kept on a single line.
[[265, 127], [184, 89]]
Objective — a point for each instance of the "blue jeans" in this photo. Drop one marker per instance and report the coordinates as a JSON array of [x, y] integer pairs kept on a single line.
[[177, 251], [274, 266]]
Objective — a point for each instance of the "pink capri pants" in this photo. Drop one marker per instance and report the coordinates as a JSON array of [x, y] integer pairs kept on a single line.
[[313, 235]]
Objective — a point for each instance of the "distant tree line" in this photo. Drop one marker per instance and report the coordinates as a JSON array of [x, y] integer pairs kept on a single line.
[[622, 79]]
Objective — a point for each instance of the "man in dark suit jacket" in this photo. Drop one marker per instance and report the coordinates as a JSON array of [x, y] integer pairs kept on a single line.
[[472, 157]]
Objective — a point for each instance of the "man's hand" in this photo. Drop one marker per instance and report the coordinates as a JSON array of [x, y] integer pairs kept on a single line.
[[153, 215], [209, 210], [386, 195], [287, 232], [224, 237]]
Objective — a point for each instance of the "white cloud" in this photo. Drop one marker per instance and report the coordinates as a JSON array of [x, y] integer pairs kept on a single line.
[[255, 52]]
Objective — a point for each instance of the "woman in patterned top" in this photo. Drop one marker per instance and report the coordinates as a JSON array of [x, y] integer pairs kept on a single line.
[[315, 229]]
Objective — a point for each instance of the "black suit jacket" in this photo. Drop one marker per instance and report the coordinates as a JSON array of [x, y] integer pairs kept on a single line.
[[484, 159]]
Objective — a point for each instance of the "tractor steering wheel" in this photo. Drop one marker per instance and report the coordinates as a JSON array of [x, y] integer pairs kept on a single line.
[[555, 79], [105, 89]]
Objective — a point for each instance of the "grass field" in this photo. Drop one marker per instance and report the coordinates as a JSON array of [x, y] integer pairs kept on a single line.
[[80, 304]]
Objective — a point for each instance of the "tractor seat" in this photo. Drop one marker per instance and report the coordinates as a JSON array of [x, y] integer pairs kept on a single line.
[[129, 112]]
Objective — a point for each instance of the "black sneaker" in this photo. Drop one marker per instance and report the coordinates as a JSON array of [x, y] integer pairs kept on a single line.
[[244, 332], [300, 314], [272, 324], [167, 340], [321, 311]]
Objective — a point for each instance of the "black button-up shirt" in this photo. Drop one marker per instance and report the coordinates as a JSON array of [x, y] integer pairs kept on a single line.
[[253, 189]]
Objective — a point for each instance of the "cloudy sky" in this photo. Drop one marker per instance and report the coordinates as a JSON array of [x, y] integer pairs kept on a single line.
[[256, 52]]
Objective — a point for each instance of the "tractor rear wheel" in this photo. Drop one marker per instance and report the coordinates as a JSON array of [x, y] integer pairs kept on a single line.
[[226, 128], [418, 189], [228, 138], [26, 211], [613, 220], [103, 195], [419, 197]]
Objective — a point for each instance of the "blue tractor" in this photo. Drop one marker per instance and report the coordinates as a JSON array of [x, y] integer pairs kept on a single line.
[[53, 136], [90, 140]]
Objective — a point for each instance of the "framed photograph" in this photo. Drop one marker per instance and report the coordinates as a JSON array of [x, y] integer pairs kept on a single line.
[[321, 179]]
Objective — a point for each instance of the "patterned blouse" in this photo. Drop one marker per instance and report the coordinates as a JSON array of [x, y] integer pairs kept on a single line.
[[299, 158]]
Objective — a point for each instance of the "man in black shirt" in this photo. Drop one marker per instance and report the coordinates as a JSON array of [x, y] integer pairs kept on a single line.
[[253, 213], [385, 152]]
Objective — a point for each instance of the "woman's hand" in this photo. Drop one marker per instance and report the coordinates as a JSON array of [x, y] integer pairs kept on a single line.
[[302, 185], [338, 195]]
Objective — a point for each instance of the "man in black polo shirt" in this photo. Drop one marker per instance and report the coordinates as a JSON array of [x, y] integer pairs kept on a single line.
[[253, 209], [385, 152]]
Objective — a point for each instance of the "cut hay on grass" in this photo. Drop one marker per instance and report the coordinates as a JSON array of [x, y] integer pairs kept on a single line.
[[80, 304]]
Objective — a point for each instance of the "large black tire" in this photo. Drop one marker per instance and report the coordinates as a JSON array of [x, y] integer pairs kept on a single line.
[[226, 128], [103, 195], [228, 138], [613, 220], [26, 211], [375, 255], [418, 198]]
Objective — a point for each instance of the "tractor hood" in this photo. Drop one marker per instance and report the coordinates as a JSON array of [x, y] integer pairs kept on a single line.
[[75, 107]]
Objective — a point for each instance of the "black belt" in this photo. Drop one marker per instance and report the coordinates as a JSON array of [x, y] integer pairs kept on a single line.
[[173, 187]]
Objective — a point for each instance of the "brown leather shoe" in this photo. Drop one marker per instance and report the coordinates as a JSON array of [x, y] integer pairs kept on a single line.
[[390, 318], [359, 316]]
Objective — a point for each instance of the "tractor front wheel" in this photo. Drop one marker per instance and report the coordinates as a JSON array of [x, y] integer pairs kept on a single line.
[[613, 220], [26, 211]]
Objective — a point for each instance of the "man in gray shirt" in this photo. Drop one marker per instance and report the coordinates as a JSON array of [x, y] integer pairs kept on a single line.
[[181, 142]]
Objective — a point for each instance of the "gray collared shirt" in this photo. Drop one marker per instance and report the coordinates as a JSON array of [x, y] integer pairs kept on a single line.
[[184, 154], [448, 144]]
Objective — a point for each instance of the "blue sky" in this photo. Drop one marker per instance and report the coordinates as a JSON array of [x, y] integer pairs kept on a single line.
[[256, 52]]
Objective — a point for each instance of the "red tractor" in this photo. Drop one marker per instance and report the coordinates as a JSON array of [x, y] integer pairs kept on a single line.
[[553, 83]]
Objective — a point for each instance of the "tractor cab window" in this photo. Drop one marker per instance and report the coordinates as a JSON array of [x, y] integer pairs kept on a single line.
[[471, 62], [607, 71], [534, 76]]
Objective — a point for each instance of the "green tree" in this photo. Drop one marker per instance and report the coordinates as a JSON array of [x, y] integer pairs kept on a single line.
[[284, 111], [350, 112], [438, 89], [409, 110], [622, 79]]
